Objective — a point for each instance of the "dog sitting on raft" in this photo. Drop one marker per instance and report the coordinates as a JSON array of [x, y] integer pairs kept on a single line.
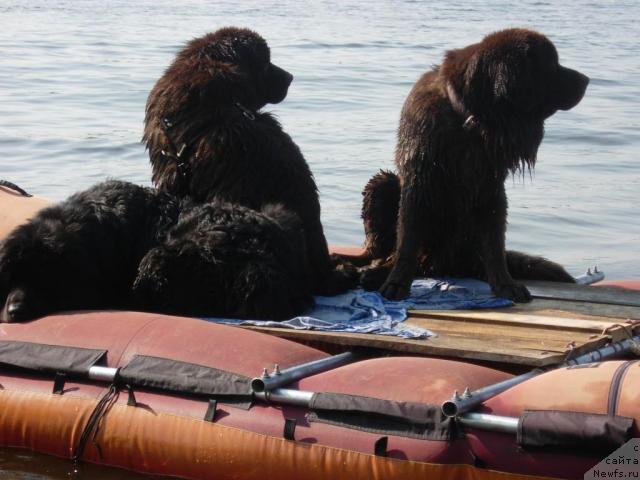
[[207, 137], [465, 126], [119, 245]]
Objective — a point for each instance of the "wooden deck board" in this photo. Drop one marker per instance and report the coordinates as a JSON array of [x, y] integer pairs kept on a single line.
[[537, 334]]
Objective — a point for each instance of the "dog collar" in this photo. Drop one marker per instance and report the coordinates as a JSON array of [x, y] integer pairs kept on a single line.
[[245, 111], [177, 155], [470, 121]]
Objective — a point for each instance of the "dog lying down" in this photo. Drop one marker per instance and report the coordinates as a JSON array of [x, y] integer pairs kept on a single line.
[[121, 246]]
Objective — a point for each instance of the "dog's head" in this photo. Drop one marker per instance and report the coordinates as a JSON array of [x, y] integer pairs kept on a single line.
[[512, 72], [25, 292], [230, 65]]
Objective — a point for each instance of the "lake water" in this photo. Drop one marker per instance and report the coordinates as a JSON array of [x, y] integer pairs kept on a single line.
[[74, 77]]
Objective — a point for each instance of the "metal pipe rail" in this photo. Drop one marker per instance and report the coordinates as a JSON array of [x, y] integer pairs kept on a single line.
[[302, 398], [102, 374], [279, 378], [481, 421], [470, 400]]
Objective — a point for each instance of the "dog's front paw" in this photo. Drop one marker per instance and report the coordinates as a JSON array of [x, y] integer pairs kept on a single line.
[[345, 276], [395, 290], [342, 278], [372, 278], [513, 291]]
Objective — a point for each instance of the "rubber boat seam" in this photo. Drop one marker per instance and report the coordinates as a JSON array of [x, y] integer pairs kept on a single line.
[[133, 337], [616, 384], [66, 394]]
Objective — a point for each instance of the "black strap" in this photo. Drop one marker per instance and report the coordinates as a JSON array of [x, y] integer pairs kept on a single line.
[[211, 410], [48, 358], [168, 375], [290, 428], [588, 432], [93, 424], [380, 447], [386, 417], [14, 187], [477, 461], [179, 155], [58, 383], [131, 398]]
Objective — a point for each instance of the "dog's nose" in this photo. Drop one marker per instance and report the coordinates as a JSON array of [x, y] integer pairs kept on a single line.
[[286, 77], [570, 88], [584, 79], [289, 77]]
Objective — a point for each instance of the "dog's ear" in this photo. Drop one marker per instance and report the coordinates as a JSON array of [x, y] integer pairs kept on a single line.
[[487, 76], [465, 71], [513, 82]]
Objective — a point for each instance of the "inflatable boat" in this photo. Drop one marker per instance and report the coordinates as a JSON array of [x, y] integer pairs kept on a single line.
[[193, 399], [188, 398]]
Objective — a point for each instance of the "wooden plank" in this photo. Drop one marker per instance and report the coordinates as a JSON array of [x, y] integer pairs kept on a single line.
[[512, 332], [503, 344], [537, 334], [568, 309], [442, 346], [523, 319], [584, 293]]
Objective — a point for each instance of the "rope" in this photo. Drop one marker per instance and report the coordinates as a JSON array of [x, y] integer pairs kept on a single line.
[[92, 427]]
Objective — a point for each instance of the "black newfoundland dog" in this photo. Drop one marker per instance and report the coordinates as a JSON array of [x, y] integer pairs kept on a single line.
[[225, 260], [465, 126], [82, 253], [208, 138], [119, 245]]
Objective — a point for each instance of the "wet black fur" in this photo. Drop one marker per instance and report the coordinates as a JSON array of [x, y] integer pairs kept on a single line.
[[466, 126], [211, 95], [82, 253], [119, 245], [225, 260]]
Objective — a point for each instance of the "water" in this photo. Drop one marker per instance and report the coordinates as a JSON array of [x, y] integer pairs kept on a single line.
[[74, 76], [21, 465]]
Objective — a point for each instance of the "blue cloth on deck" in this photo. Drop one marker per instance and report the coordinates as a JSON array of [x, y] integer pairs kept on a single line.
[[358, 311]]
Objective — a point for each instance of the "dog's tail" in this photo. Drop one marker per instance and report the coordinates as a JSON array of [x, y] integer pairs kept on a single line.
[[530, 267], [380, 205]]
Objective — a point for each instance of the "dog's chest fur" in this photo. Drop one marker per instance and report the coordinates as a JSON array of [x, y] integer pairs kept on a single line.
[[458, 171]]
